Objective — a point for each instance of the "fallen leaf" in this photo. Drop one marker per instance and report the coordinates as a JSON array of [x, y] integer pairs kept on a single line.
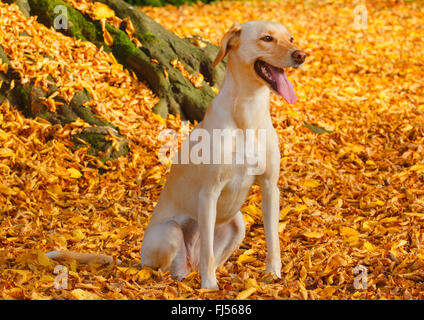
[[102, 11], [246, 293]]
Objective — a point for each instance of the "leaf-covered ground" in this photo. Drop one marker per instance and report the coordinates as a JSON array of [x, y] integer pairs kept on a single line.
[[354, 196]]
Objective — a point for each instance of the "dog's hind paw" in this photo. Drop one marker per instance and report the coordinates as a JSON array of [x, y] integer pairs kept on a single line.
[[210, 284]]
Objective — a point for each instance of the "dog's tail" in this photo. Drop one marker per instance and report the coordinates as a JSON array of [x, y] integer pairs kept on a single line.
[[82, 257]]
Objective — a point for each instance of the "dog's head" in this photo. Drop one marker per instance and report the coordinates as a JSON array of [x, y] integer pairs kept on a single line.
[[265, 48]]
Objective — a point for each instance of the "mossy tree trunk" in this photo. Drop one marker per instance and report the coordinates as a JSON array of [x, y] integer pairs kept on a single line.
[[151, 62], [29, 99], [177, 93]]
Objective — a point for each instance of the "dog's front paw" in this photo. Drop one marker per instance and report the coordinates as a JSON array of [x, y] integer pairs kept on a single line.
[[274, 267]]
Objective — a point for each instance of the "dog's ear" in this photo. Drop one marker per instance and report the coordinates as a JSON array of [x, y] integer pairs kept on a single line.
[[229, 40]]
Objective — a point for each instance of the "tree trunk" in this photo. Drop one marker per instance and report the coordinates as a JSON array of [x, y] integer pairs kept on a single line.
[[164, 46], [155, 61]]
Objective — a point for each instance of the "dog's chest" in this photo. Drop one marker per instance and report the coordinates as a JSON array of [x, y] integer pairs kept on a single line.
[[234, 194]]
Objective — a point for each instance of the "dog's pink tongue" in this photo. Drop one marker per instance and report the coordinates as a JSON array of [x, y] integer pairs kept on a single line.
[[284, 86]]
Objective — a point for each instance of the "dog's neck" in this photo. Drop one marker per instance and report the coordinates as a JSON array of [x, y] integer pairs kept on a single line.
[[242, 96]]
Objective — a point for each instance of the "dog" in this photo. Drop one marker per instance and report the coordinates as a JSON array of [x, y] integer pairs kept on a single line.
[[197, 223]]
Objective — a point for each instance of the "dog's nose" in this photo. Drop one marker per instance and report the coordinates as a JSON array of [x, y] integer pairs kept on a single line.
[[299, 56]]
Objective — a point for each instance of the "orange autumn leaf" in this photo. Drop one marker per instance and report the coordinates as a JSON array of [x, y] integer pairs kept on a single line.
[[74, 173], [246, 293], [101, 11], [107, 38], [313, 235], [347, 231]]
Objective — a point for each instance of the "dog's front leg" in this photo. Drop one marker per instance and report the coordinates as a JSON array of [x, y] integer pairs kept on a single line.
[[207, 217], [270, 213]]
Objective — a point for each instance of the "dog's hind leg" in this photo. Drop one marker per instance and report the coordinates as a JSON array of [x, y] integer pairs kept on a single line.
[[228, 238], [163, 247]]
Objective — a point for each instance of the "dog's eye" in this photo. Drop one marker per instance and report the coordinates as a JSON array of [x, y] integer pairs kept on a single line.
[[267, 38], [291, 39]]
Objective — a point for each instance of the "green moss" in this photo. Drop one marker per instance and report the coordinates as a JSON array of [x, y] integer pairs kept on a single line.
[[96, 142], [148, 36], [122, 47], [24, 93], [3, 57], [79, 26], [46, 115]]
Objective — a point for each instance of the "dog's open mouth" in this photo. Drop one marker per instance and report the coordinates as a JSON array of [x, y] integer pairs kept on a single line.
[[277, 79]]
